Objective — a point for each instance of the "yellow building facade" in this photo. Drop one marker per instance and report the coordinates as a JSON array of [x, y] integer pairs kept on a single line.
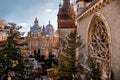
[[42, 39]]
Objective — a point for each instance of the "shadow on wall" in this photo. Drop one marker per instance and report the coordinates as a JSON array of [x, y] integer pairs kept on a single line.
[[118, 4], [112, 75]]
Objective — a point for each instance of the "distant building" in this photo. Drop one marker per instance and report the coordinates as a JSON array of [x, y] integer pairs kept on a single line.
[[3, 34], [42, 40]]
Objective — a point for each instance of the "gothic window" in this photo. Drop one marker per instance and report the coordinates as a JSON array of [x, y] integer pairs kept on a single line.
[[99, 47]]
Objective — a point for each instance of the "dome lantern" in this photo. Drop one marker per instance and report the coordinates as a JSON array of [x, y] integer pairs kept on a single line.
[[49, 29]]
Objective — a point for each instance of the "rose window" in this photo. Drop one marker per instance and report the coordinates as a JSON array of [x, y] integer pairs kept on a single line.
[[99, 47]]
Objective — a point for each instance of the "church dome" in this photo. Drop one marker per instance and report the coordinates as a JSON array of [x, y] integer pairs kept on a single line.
[[35, 28], [49, 29]]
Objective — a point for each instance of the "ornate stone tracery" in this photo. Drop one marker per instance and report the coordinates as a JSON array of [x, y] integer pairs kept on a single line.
[[99, 47]]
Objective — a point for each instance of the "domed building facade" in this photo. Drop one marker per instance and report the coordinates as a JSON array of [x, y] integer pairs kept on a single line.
[[35, 28], [42, 40]]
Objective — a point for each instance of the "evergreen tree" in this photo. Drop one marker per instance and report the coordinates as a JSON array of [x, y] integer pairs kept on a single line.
[[94, 73], [11, 55], [69, 65]]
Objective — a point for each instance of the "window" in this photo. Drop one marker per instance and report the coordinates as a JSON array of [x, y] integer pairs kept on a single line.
[[99, 47], [43, 44]]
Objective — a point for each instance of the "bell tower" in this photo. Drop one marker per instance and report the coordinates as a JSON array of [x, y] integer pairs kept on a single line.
[[66, 19]]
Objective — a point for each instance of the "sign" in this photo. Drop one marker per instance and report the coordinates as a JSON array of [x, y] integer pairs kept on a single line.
[[38, 70], [51, 73]]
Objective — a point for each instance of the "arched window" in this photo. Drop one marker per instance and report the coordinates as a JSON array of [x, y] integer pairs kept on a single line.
[[43, 44], [99, 45]]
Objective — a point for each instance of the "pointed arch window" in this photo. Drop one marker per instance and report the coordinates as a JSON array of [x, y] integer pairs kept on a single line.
[[99, 45]]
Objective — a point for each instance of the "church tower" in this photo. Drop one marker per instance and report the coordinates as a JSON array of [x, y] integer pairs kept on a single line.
[[66, 19]]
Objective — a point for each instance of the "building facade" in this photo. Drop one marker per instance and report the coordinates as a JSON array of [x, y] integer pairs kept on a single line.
[[42, 39], [99, 26]]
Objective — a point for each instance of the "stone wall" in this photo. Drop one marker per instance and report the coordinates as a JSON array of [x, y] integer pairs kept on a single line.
[[111, 15]]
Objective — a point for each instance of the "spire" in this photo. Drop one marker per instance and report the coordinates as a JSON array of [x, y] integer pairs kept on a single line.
[[66, 0], [66, 3], [88, 0], [66, 11], [66, 6], [49, 21], [60, 5], [36, 21], [43, 29]]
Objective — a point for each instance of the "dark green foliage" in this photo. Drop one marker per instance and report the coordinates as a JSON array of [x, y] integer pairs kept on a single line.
[[69, 65], [10, 52], [95, 72], [34, 76]]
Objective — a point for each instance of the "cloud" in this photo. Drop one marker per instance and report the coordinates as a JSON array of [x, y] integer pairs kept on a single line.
[[50, 11], [44, 10], [25, 28], [23, 24]]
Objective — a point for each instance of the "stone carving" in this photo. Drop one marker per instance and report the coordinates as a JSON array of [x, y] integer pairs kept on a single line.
[[99, 47]]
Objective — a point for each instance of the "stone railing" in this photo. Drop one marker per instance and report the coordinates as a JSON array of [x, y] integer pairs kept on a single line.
[[93, 7]]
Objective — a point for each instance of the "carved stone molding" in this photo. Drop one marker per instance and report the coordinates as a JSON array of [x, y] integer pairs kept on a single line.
[[99, 46], [92, 8]]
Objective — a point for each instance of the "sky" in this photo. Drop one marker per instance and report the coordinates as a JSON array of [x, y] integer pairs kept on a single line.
[[23, 12]]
